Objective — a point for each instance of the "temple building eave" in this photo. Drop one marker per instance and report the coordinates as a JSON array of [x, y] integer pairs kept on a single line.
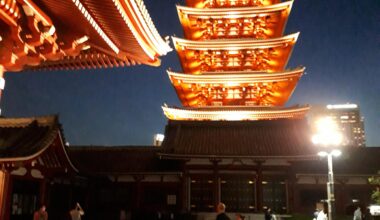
[[145, 30], [234, 12], [235, 76], [229, 89], [235, 113], [235, 44], [66, 29], [215, 157], [228, 3], [269, 55], [245, 22]]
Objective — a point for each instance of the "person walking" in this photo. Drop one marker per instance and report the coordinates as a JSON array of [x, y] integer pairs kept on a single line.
[[315, 214], [268, 214], [239, 216], [41, 214], [322, 215], [358, 214], [221, 210], [76, 212]]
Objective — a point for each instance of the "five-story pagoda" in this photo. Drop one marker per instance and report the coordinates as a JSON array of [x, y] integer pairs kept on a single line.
[[233, 60], [234, 135]]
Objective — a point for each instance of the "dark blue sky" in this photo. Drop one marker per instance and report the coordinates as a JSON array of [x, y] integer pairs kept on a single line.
[[339, 45]]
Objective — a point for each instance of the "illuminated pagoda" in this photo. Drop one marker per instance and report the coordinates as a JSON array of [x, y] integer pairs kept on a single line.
[[234, 133], [76, 34], [234, 62]]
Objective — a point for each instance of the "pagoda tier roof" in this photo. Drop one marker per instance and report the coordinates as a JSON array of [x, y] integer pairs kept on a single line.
[[228, 3], [36, 142], [122, 30], [235, 88], [234, 113], [282, 138], [256, 22], [235, 54]]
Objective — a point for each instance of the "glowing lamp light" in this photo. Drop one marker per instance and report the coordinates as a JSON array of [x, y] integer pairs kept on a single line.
[[322, 154], [327, 133], [335, 153], [325, 138], [159, 137]]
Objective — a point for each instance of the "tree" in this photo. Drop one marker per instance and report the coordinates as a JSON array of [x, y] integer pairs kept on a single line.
[[376, 193]]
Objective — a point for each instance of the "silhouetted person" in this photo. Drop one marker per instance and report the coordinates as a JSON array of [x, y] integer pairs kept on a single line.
[[322, 215], [239, 216], [221, 210], [358, 214], [315, 214], [268, 214], [123, 215], [41, 214], [76, 212]]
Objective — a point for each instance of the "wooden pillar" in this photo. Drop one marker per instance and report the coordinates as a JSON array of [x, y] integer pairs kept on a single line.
[[185, 192], [43, 193], [216, 181], [4, 185], [290, 189], [138, 191], [259, 187], [5, 194]]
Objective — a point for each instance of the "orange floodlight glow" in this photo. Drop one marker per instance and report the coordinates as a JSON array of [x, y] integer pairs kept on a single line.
[[229, 113], [233, 58]]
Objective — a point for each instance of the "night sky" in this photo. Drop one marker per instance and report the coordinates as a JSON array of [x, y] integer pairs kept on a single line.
[[339, 45]]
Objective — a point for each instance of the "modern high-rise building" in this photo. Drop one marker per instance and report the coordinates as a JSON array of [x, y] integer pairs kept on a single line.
[[348, 119]]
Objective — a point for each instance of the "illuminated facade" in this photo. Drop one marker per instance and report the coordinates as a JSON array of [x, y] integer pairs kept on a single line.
[[247, 22], [233, 133], [234, 57], [229, 3], [76, 34]]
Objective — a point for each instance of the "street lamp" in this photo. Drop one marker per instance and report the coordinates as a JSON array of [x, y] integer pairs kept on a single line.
[[328, 136]]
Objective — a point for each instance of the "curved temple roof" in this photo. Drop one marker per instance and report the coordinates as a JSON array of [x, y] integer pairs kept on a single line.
[[235, 44], [265, 139], [257, 22], [235, 76], [35, 140], [234, 113], [121, 30], [235, 54], [229, 3], [235, 88]]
